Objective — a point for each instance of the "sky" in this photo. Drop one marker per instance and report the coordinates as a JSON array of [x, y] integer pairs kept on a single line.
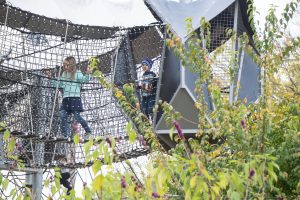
[[111, 12]]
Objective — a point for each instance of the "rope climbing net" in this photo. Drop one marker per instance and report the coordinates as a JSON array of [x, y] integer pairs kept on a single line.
[[31, 47]]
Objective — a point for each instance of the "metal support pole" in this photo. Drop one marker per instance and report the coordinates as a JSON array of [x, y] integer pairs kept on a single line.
[[35, 182], [234, 48]]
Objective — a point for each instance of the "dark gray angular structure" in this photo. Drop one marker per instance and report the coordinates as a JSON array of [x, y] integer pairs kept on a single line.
[[177, 84]]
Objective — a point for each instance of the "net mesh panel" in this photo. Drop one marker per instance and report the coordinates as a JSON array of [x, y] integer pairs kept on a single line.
[[31, 45], [219, 26], [16, 181]]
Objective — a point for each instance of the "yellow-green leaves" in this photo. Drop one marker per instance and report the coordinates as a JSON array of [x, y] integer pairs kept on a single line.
[[11, 145], [46, 183], [87, 193], [193, 181], [97, 183], [131, 133], [5, 183], [6, 135], [223, 181], [94, 62], [96, 167], [236, 182], [76, 138], [87, 146]]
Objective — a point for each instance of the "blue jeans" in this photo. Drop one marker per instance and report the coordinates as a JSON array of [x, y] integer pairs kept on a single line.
[[64, 126], [147, 104]]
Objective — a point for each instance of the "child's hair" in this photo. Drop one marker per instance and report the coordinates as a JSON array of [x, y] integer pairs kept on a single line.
[[73, 66]]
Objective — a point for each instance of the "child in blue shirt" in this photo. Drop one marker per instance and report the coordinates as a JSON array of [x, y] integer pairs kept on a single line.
[[70, 82]]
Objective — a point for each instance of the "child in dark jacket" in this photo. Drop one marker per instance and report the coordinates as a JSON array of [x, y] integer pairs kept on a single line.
[[148, 87]]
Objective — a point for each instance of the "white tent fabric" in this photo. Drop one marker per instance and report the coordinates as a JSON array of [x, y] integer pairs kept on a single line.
[[175, 12], [110, 13]]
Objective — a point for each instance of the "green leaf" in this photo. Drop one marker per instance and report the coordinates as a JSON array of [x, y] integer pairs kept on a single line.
[[11, 145], [27, 198], [88, 146], [13, 193], [216, 190], [162, 179], [202, 184], [98, 182], [46, 183], [5, 184], [275, 165], [106, 154], [193, 181], [20, 197], [6, 135], [188, 194], [223, 181], [2, 125], [206, 174], [57, 182], [95, 155], [76, 138], [237, 181], [235, 196], [86, 193], [131, 133], [53, 189], [272, 174], [171, 133], [87, 159], [96, 166]]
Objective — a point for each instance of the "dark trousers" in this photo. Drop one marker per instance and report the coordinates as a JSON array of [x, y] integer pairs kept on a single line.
[[64, 181], [147, 104], [64, 126]]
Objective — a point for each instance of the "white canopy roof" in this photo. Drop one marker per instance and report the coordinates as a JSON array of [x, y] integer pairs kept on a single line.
[[91, 12], [174, 12]]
